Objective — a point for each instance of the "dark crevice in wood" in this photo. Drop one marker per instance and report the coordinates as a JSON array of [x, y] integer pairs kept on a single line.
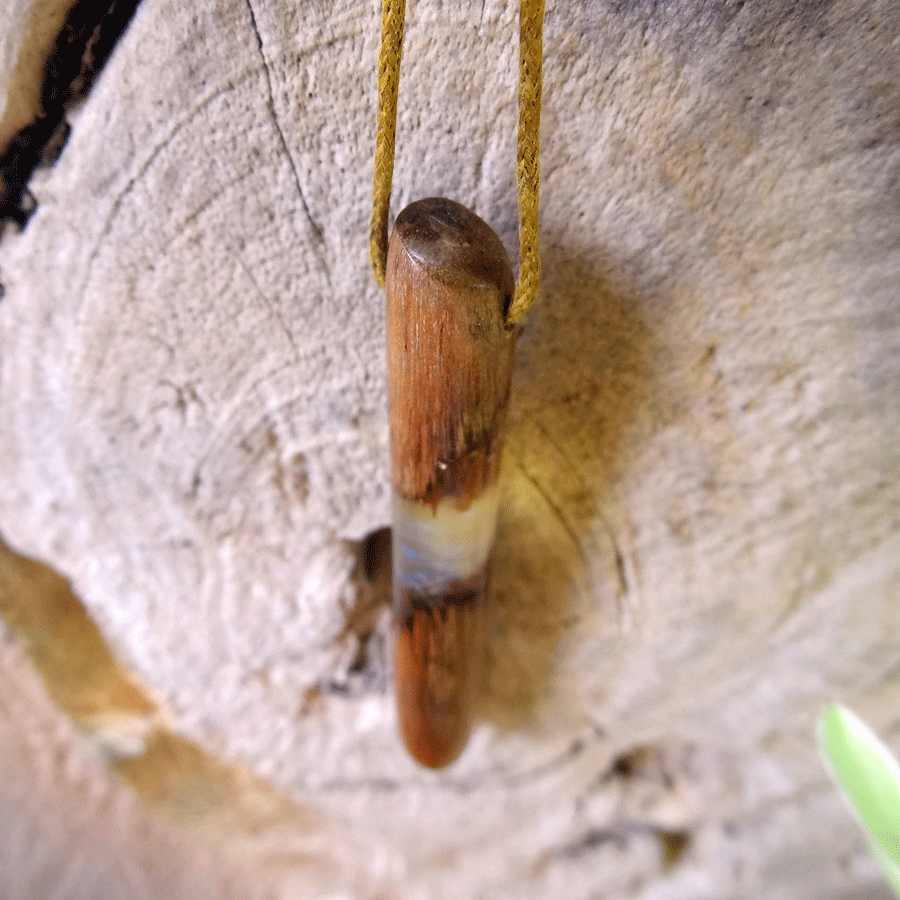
[[366, 671], [592, 840], [673, 844], [81, 49], [375, 555]]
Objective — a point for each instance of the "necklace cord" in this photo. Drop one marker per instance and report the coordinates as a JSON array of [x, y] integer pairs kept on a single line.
[[528, 164], [393, 18]]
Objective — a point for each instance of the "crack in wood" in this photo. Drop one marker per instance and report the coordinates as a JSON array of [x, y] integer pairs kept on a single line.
[[554, 507], [592, 508], [365, 671], [319, 243], [273, 307], [673, 844]]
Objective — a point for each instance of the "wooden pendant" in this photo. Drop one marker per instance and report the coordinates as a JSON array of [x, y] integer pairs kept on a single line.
[[449, 284]]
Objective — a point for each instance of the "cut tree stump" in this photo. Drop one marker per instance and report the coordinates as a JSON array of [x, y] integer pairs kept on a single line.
[[700, 536]]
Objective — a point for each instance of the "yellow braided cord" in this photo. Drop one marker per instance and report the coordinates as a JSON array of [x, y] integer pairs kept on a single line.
[[528, 166], [393, 16]]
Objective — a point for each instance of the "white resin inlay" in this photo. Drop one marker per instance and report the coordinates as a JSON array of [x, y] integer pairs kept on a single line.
[[435, 545]]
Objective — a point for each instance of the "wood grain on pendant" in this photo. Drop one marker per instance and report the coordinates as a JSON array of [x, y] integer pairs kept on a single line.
[[449, 284]]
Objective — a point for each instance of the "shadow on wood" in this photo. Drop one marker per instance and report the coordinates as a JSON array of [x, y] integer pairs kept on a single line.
[[582, 371]]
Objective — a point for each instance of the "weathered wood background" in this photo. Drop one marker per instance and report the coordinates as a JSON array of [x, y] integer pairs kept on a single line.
[[701, 536]]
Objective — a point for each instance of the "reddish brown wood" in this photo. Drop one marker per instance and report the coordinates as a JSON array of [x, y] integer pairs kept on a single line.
[[450, 353], [449, 283]]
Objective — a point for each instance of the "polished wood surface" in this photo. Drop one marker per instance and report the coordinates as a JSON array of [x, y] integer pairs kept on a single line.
[[448, 285], [450, 353]]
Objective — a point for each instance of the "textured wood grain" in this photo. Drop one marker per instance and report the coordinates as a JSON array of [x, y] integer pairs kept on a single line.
[[448, 288], [700, 543], [449, 353]]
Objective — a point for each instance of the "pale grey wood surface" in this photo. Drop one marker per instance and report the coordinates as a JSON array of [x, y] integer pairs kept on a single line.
[[701, 537]]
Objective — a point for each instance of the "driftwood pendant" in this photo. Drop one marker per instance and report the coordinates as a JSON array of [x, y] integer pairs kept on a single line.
[[448, 284]]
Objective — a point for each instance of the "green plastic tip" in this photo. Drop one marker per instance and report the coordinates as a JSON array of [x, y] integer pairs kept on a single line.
[[870, 779]]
